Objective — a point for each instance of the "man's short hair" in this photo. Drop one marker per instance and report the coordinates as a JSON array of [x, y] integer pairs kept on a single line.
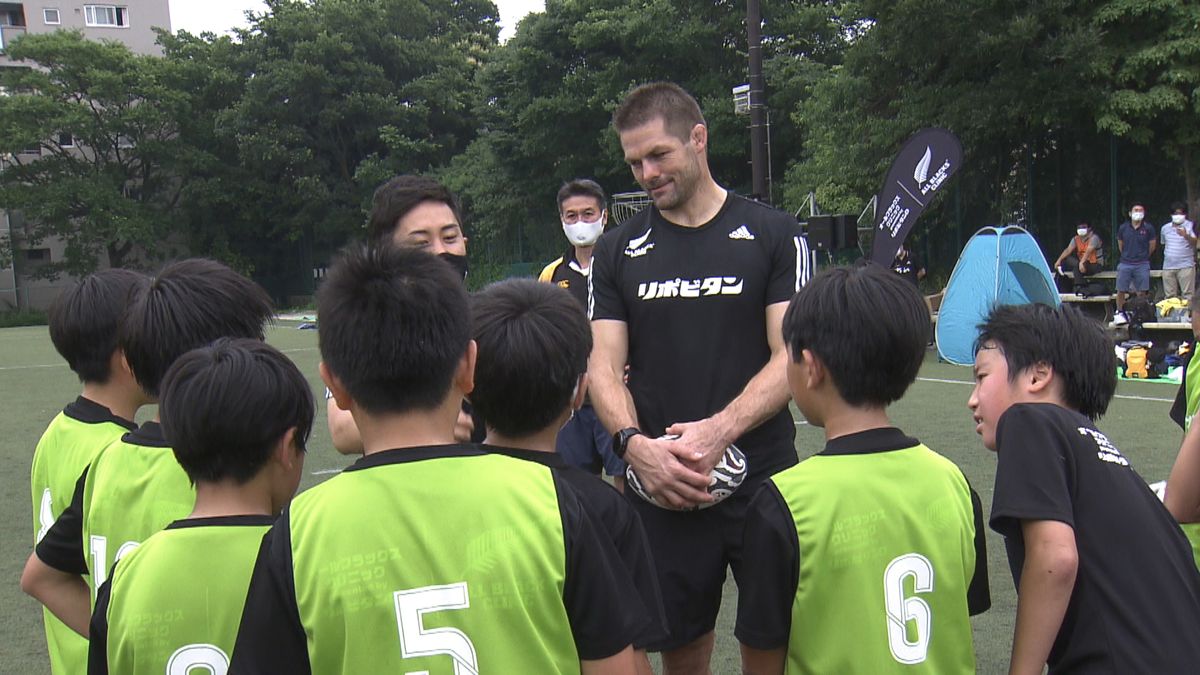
[[1180, 207], [1072, 344], [666, 100], [394, 324], [188, 305], [395, 198], [867, 325], [582, 187], [225, 406], [1136, 205], [533, 344], [85, 318]]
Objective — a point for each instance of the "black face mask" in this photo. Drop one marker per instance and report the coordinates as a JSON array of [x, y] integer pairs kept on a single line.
[[458, 262]]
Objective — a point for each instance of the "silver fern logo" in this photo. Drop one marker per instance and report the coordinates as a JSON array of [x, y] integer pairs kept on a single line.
[[922, 171]]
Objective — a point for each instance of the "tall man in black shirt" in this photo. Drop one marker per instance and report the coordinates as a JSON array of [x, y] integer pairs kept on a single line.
[[691, 293]]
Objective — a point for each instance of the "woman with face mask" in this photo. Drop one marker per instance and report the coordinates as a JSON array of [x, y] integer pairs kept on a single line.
[[1083, 256]]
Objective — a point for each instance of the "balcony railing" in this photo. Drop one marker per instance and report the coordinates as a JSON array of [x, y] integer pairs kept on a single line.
[[8, 34]]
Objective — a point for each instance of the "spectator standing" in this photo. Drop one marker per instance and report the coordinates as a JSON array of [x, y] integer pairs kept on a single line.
[[908, 265], [1179, 254], [1137, 243]]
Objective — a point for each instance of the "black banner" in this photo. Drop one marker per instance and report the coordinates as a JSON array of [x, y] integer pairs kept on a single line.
[[920, 171]]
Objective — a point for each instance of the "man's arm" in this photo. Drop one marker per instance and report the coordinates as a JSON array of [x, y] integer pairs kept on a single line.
[[1047, 579], [1183, 485], [661, 472], [704, 441], [66, 595], [1153, 246]]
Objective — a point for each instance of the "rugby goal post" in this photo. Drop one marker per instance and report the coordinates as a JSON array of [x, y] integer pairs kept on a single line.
[[625, 204]]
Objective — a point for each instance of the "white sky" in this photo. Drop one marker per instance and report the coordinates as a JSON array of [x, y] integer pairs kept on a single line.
[[218, 16]]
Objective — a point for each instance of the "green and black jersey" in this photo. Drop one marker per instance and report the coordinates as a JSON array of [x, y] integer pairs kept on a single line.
[[612, 515], [131, 490], [70, 442], [439, 559], [1183, 411], [868, 557], [173, 604]]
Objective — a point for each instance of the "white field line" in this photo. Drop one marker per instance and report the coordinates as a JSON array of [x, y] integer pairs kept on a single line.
[[63, 365], [1127, 397]]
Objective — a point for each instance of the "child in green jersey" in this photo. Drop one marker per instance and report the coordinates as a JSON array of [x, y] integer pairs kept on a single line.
[[530, 377], [83, 327], [1105, 579], [869, 556], [134, 487], [237, 415], [426, 555]]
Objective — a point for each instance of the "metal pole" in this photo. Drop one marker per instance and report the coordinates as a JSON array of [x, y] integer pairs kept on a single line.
[[758, 124]]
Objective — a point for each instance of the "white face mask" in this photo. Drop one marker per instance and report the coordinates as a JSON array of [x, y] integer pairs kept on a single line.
[[1178, 218], [1137, 215], [1081, 231], [583, 233]]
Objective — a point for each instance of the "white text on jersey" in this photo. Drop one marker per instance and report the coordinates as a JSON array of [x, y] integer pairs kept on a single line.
[[689, 288]]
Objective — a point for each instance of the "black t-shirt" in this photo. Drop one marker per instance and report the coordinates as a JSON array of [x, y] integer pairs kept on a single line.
[[612, 514], [694, 302], [907, 267], [602, 619], [1135, 607]]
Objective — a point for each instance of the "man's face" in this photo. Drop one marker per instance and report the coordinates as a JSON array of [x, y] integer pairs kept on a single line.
[[431, 226], [665, 166], [1137, 214], [993, 393], [580, 207]]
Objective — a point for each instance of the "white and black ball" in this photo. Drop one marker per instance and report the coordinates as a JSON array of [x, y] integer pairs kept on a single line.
[[723, 480]]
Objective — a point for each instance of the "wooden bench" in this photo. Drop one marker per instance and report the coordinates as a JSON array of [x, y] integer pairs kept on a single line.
[[1098, 306]]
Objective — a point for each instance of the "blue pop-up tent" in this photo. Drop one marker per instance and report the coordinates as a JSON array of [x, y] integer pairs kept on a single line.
[[998, 266]]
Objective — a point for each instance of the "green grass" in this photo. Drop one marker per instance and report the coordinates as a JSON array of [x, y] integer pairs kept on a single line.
[[34, 385]]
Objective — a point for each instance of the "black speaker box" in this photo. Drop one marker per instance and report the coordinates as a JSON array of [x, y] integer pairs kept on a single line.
[[820, 233]]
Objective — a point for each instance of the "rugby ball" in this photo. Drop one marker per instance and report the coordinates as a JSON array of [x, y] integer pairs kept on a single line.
[[723, 480]]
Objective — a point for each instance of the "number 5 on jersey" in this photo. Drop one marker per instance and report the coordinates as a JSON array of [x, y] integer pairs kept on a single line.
[[902, 610], [416, 640]]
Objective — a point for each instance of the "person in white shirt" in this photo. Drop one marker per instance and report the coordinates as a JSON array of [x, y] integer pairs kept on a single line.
[[1179, 254]]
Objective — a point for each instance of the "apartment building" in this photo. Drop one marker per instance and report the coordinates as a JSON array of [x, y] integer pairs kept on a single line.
[[129, 21]]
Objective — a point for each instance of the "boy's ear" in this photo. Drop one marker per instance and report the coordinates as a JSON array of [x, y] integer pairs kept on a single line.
[[580, 392], [464, 377], [1038, 377], [814, 369], [286, 451], [340, 395]]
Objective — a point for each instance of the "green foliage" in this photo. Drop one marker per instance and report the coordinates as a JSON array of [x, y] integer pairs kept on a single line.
[[22, 317], [112, 189]]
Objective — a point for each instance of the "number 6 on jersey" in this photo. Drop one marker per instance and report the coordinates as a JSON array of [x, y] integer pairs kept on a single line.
[[417, 641], [901, 610]]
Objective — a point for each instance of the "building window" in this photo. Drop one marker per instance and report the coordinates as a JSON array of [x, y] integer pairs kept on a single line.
[[37, 255], [66, 140], [51, 17], [106, 16]]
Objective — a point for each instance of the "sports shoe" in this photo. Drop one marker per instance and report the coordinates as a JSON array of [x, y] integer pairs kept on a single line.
[[1119, 319]]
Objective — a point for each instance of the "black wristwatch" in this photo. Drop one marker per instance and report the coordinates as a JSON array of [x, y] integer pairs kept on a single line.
[[621, 440]]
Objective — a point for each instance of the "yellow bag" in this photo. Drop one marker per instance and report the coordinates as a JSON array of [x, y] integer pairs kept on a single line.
[[1136, 363]]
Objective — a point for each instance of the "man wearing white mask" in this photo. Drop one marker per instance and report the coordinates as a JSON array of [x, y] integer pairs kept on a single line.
[[1179, 254], [582, 207], [1083, 256], [1137, 243]]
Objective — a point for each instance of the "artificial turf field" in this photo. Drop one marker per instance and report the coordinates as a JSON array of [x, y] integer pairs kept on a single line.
[[35, 384]]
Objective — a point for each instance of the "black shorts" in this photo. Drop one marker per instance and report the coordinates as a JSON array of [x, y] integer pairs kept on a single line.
[[691, 552]]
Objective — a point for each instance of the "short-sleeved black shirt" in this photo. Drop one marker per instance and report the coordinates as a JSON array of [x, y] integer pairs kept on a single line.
[[694, 302], [614, 516], [1135, 607]]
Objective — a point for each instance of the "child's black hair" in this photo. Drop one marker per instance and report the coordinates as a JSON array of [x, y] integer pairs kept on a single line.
[[394, 323], [84, 320], [224, 408], [869, 326], [189, 304], [533, 344], [1073, 345]]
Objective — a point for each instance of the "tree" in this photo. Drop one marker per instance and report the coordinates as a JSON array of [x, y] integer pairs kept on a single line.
[[104, 125]]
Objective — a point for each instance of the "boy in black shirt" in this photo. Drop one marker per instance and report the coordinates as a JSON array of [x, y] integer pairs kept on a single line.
[[1105, 579], [530, 378]]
